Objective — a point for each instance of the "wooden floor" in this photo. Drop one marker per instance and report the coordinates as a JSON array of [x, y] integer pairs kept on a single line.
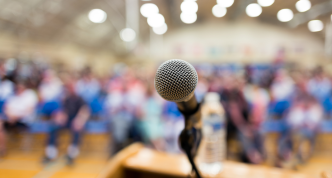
[[28, 165], [317, 165], [25, 161]]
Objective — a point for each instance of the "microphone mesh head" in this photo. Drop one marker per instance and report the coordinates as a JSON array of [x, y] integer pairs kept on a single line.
[[176, 80]]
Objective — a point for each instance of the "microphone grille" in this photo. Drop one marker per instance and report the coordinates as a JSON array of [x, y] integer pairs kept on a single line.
[[176, 80]]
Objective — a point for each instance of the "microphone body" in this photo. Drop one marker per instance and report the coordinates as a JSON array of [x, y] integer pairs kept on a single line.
[[176, 81]]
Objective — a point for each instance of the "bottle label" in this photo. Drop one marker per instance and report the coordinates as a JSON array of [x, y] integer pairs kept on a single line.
[[212, 124], [214, 139]]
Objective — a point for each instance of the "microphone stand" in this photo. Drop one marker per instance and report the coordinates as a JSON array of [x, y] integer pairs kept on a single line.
[[189, 141], [191, 136]]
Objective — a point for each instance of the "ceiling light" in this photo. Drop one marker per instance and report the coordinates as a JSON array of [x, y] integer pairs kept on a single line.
[[265, 3], [285, 15], [219, 11], [156, 20], [253, 10], [303, 5], [149, 9], [225, 3], [315, 25], [97, 16], [160, 30], [189, 6], [188, 18], [127, 34]]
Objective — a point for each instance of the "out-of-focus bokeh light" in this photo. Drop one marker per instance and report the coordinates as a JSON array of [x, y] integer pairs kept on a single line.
[[149, 9], [303, 5], [156, 20], [97, 16], [219, 11], [265, 3], [225, 3], [315, 25], [253, 10], [127, 34], [188, 18], [189, 6], [160, 30], [285, 15]]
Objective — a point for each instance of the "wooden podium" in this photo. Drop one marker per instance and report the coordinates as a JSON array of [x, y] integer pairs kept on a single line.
[[136, 161]]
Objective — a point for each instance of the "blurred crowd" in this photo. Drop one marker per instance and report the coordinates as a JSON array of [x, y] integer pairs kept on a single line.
[[127, 101], [299, 100]]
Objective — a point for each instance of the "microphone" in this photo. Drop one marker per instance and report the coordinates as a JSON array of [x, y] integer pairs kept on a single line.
[[176, 81]]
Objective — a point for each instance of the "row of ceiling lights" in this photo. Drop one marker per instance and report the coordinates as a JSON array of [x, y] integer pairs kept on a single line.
[[190, 7], [255, 9], [154, 18], [188, 15]]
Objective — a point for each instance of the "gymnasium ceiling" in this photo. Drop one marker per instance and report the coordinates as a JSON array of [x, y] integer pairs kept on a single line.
[[58, 21]]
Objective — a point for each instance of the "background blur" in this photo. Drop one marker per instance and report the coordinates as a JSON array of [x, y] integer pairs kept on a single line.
[[270, 62]]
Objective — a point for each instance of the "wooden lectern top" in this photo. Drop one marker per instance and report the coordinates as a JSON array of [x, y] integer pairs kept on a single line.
[[140, 159]]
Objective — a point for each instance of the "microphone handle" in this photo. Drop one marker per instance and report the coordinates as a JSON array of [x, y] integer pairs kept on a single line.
[[188, 107], [191, 111]]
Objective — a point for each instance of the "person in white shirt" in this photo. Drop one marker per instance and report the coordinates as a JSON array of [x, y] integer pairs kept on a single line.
[[50, 91], [319, 86], [282, 87], [19, 112]]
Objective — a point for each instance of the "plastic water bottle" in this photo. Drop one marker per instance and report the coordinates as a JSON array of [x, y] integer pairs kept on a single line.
[[212, 150]]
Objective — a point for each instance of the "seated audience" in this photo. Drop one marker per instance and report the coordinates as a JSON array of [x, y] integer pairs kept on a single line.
[[19, 111], [238, 123], [73, 115], [151, 120], [303, 120], [134, 111], [121, 113]]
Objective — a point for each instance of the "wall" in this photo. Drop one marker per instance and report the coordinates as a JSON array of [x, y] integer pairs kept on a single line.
[[241, 41], [71, 55]]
